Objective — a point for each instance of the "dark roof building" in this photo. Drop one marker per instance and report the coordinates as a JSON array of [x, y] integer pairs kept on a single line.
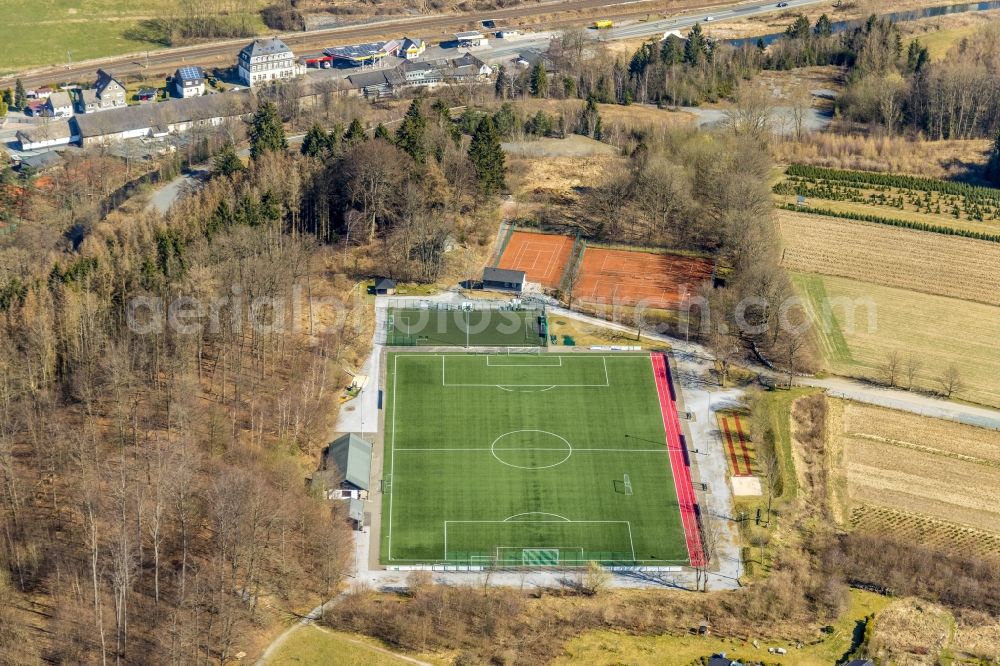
[[41, 162], [351, 457], [265, 60], [107, 93], [189, 81], [384, 286], [503, 278]]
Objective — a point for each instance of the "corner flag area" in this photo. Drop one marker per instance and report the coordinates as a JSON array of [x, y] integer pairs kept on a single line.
[[531, 459]]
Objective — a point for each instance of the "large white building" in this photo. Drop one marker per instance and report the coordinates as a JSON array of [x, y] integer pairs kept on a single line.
[[265, 60]]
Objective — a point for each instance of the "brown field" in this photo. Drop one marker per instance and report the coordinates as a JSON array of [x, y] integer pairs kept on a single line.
[[930, 159], [892, 256], [922, 529], [542, 257], [911, 632], [627, 277], [947, 471]]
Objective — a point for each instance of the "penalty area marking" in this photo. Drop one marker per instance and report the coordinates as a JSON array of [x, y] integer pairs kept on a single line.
[[534, 513], [626, 523], [530, 390], [604, 362]]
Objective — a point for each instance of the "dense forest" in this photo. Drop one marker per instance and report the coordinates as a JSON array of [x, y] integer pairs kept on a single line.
[[166, 384]]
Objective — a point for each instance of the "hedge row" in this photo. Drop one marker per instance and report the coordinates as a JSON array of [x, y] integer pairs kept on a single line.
[[894, 180], [894, 222]]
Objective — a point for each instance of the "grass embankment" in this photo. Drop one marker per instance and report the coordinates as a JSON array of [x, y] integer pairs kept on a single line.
[[607, 647], [312, 645]]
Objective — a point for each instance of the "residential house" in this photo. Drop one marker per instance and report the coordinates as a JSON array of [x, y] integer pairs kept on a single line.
[[36, 107], [412, 48], [377, 84], [264, 60], [107, 93], [59, 105], [467, 67], [189, 82], [159, 120], [46, 135], [421, 73], [39, 93]]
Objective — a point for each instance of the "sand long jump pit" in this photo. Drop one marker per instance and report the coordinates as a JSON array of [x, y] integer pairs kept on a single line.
[[630, 277], [542, 257]]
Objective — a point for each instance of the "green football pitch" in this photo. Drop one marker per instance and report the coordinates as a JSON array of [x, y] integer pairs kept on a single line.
[[526, 459], [457, 328]]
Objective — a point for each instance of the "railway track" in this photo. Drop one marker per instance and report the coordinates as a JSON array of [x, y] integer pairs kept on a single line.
[[223, 53]]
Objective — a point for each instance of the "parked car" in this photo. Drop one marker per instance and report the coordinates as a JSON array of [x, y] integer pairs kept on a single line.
[[782, 4], [709, 18]]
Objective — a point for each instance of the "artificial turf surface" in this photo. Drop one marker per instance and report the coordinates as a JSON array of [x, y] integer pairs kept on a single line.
[[489, 455], [478, 328]]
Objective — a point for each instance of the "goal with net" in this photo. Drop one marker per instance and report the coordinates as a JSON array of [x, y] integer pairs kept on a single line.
[[628, 485]]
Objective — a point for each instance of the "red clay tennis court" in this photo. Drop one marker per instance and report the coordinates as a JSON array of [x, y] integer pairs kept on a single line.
[[631, 278], [542, 257]]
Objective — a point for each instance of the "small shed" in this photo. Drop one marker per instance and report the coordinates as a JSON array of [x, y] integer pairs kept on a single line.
[[146, 94], [384, 287], [861, 662], [503, 279], [356, 512], [471, 39]]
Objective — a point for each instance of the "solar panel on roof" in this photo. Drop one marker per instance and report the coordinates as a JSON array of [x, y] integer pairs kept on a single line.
[[355, 50], [190, 72]]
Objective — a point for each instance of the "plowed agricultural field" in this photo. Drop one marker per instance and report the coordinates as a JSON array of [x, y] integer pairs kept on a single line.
[[627, 277], [891, 256], [542, 257], [902, 461]]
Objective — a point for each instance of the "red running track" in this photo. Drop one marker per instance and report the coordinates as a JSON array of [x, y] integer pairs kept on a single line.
[[682, 475]]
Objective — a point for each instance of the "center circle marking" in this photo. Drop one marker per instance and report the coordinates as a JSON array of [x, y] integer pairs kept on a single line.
[[493, 449]]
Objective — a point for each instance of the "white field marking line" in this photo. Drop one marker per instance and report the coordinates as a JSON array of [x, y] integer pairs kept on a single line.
[[534, 448], [540, 250], [392, 463], [445, 383], [510, 390], [534, 513], [628, 525], [524, 365], [640, 292]]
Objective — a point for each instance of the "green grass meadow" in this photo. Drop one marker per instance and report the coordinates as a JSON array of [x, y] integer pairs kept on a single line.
[[521, 459], [40, 33]]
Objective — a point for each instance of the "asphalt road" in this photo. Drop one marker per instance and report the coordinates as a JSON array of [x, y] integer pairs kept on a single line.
[[727, 13], [223, 53]]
